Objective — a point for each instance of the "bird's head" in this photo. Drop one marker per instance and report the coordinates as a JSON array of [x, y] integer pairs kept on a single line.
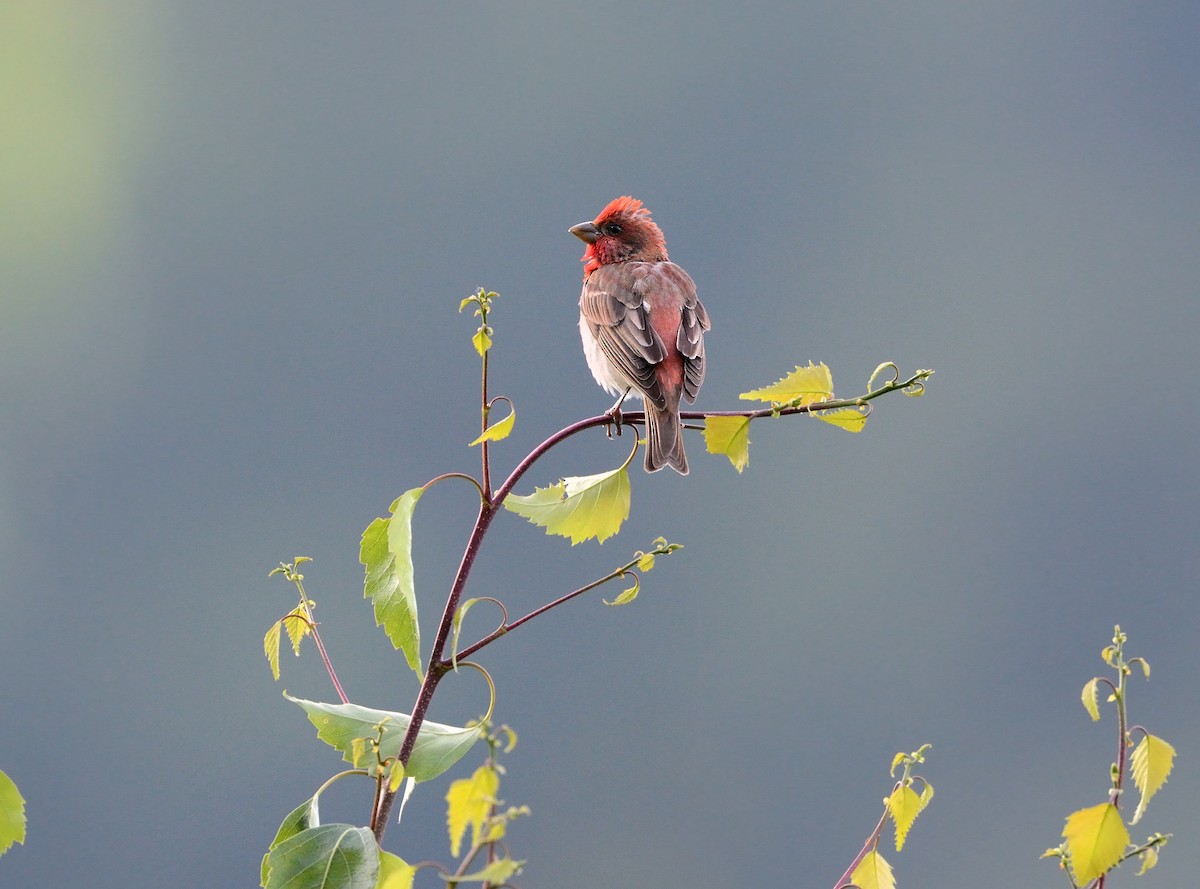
[[622, 232]]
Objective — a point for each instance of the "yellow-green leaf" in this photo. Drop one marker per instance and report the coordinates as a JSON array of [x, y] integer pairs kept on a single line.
[[729, 436], [926, 796], [904, 805], [271, 648], [896, 760], [581, 507], [628, 595], [499, 871], [804, 385], [468, 802], [498, 430], [297, 626], [12, 814], [852, 419], [482, 340], [1149, 859], [394, 872], [1090, 703], [645, 561], [1153, 759], [386, 554], [396, 776], [873, 872], [1096, 839]]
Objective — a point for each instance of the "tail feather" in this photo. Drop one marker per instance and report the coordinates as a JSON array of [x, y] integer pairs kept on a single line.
[[664, 439]]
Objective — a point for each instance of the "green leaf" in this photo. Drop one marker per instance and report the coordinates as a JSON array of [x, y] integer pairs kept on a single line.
[[297, 626], [482, 340], [1149, 859], [386, 554], [628, 595], [459, 616], [1153, 759], [438, 746], [300, 818], [873, 872], [498, 430], [12, 814], [1088, 696], [468, 802], [645, 561], [903, 805], [394, 872], [333, 856], [729, 436], [271, 648], [804, 385], [851, 419], [581, 507], [1096, 839], [499, 871]]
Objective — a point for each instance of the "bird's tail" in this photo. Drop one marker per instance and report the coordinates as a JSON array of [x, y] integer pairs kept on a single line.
[[664, 439]]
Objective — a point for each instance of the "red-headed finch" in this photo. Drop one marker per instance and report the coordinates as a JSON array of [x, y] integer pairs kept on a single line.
[[642, 326]]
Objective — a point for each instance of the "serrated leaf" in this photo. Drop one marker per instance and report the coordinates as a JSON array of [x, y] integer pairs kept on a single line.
[[851, 419], [1096, 839], [468, 803], [1153, 759], [580, 507], [333, 856], [271, 648], [896, 760], [467, 301], [1089, 698], [645, 561], [498, 430], [386, 554], [438, 746], [873, 872], [729, 436], [903, 805], [804, 385], [297, 626], [626, 596], [482, 341], [499, 871], [926, 795], [12, 814], [300, 818], [394, 872], [1149, 859]]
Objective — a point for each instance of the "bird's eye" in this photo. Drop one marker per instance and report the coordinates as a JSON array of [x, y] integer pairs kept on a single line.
[[612, 228]]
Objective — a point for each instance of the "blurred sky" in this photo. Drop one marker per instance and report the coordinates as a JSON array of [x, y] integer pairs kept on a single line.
[[232, 244]]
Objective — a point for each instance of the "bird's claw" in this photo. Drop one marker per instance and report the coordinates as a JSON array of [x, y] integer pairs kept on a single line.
[[614, 420], [614, 415]]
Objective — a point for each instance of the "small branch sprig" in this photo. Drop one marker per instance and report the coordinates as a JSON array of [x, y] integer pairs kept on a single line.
[[1096, 840], [869, 869]]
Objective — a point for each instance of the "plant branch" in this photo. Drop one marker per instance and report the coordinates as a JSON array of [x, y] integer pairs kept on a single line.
[[871, 843], [438, 666], [506, 627]]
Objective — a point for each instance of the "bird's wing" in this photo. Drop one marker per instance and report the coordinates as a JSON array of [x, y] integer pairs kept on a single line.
[[614, 303], [618, 317], [691, 344]]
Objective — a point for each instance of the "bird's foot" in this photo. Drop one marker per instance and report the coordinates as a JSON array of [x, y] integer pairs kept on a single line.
[[615, 421]]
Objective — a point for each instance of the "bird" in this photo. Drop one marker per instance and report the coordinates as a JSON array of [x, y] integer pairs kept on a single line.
[[641, 324]]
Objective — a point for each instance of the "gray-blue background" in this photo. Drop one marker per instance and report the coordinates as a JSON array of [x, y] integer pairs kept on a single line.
[[234, 236]]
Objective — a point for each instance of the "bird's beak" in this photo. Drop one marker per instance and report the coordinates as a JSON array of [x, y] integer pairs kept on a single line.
[[585, 231]]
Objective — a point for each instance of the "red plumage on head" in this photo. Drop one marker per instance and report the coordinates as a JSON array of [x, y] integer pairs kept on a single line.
[[622, 206], [640, 239]]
